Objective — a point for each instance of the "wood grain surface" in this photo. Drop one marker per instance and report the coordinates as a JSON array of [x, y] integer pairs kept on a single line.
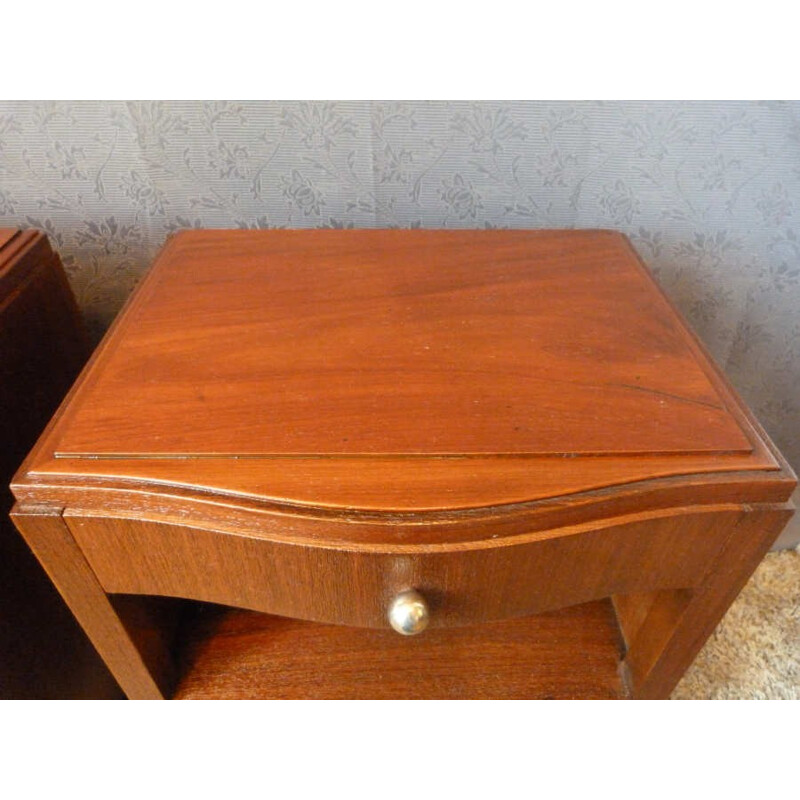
[[43, 652], [676, 624], [399, 342], [6, 235], [305, 423], [464, 583], [49, 538], [569, 654], [255, 299], [395, 484]]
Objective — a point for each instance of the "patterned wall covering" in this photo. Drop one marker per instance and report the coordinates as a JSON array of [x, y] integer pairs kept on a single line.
[[709, 193]]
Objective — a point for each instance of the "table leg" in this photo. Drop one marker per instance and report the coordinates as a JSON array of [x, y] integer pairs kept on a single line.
[[51, 541], [664, 631]]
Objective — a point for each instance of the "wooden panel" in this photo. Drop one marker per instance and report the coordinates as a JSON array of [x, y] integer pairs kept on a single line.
[[678, 623], [399, 342], [16, 261], [573, 653], [50, 540], [632, 611], [403, 484], [151, 624], [42, 348], [378, 483], [43, 652], [6, 235], [464, 583]]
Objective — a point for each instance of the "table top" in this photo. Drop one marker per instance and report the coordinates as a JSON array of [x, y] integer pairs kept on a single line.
[[6, 235], [350, 368], [13, 244]]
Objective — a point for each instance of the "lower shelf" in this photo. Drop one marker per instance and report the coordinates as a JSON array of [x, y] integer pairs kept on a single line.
[[234, 654]]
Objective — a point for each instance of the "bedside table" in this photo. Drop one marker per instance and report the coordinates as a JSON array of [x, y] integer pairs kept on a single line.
[[43, 652], [505, 442]]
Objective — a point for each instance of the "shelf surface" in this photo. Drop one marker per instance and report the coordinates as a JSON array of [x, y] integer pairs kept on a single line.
[[232, 654]]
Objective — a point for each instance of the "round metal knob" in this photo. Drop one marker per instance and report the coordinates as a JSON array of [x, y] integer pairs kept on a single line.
[[408, 613]]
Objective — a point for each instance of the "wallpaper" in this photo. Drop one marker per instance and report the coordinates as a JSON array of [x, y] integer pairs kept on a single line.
[[708, 192]]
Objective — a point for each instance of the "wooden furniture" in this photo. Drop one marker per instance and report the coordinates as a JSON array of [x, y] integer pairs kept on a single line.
[[515, 425], [43, 652]]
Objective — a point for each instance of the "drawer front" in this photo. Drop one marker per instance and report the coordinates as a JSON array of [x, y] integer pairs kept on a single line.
[[461, 585]]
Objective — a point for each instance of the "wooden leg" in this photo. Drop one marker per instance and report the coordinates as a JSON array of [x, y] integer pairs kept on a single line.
[[51, 541], [664, 631]]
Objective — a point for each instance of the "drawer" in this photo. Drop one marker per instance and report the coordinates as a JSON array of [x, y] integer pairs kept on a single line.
[[462, 584]]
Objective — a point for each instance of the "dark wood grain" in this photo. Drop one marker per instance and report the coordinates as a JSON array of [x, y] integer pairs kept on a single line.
[[569, 654], [43, 652]]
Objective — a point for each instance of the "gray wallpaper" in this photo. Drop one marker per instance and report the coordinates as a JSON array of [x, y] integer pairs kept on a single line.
[[708, 192]]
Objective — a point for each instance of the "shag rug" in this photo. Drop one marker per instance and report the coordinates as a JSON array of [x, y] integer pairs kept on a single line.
[[755, 652]]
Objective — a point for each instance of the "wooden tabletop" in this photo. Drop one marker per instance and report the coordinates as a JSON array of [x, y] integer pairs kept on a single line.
[[304, 365], [12, 245], [6, 235]]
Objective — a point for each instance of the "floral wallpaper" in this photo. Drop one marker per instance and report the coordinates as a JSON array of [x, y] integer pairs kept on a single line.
[[709, 192]]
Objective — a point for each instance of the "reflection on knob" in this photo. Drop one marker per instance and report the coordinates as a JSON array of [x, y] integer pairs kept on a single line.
[[408, 613]]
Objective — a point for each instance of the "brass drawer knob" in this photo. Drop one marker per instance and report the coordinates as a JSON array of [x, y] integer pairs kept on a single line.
[[408, 613]]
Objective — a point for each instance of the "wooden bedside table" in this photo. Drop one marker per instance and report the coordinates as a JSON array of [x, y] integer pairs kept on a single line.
[[43, 652], [508, 436]]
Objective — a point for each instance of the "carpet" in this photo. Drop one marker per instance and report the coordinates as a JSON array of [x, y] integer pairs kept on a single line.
[[755, 652]]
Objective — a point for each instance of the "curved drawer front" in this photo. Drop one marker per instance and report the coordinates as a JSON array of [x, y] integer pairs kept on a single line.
[[462, 583]]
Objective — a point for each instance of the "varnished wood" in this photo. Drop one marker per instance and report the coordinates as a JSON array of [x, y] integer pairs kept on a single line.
[[631, 610], [263, 427], [378, 484], [151, 624], [678, 623], [50, 539], [475, 337], [248, 332], [6, 235], [572, 653], [465, 583], [43, 652]]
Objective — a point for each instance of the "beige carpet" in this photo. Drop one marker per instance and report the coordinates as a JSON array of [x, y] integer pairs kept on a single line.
[[755, 652]]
